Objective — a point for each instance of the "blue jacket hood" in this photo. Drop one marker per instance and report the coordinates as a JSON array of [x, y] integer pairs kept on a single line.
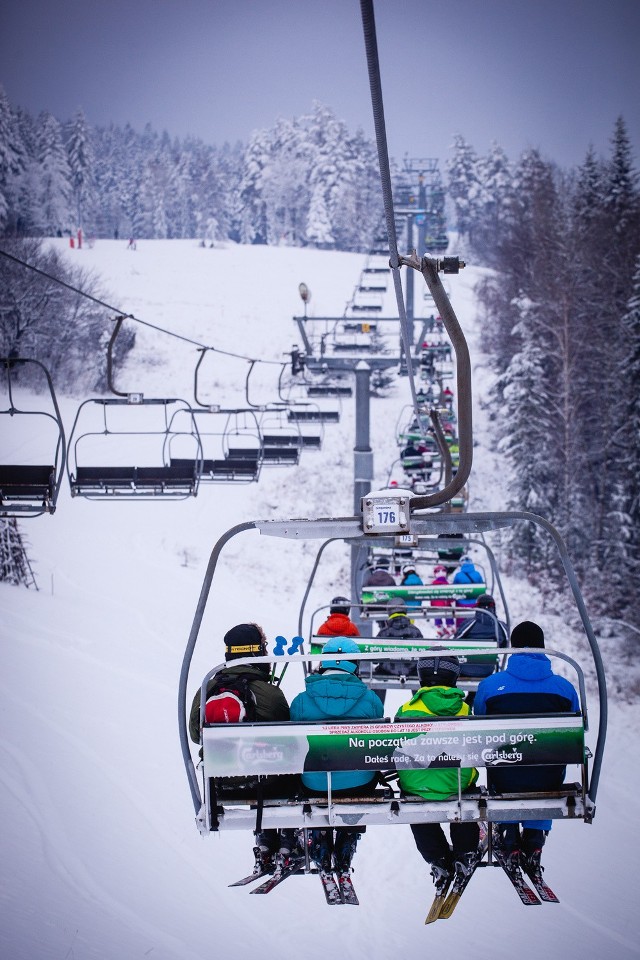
[[335, 695], [529, 666]]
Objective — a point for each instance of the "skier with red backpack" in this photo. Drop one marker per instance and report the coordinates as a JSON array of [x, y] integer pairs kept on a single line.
[[247, 692]]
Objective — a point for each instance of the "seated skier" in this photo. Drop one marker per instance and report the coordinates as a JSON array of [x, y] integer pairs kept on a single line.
[[484, 625], [338, 623], [528, 685], [439, 696], [336, 692]]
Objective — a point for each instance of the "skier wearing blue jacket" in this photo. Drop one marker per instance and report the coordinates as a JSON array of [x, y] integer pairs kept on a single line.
[[528, 685], [410, 578], [336, 692], [466, 574]]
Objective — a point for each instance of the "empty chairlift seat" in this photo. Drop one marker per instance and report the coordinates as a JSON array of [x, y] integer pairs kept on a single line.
[[22, 485], [240, 464], [282, 449], [125, 430], [314, 416], [178, 478], [329, 390]]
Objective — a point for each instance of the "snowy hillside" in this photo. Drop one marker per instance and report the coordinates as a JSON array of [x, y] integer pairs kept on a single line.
[[100, 857]]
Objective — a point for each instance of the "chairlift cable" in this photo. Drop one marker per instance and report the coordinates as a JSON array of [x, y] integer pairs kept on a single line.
[[131, 316]]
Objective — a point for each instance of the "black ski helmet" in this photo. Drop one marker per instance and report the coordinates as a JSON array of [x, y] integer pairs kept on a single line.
[[340, 605]]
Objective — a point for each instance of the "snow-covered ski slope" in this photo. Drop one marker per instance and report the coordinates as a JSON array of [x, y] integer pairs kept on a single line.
[[100, 857]]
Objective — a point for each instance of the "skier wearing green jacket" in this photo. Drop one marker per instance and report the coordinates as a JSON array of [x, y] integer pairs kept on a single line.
[[438, 696]]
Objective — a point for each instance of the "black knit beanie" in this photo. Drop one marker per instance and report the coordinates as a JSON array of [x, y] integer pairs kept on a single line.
[[438, 671], [244, 640], [527, 634]]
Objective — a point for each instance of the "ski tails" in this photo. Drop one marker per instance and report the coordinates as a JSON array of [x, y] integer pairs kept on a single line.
[[462, 877], [257, 875], [435, 912], [451, 889], [347, 889], [282, 873], [338, 888], [542, 888], [263, 866], [527, 896], [330, 888]]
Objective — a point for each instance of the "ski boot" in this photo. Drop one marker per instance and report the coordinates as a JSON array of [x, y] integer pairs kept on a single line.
[[321, 842], [442, 872], [264, 860], [530, 863], [343, 850], [465, 863]]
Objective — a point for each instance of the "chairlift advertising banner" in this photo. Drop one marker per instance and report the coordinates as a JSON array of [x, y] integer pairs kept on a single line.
[[245, 749], [391, 645], [427, 591]]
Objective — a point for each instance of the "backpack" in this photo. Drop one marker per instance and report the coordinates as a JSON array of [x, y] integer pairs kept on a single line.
[[230, 699]]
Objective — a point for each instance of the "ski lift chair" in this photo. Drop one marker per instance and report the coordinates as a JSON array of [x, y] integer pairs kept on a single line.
[[257, 750], [231, 446], [281, 439], [105, 427], [313, 413], [31, 489]]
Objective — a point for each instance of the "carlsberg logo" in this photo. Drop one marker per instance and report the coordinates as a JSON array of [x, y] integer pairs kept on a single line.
[[493, 757]]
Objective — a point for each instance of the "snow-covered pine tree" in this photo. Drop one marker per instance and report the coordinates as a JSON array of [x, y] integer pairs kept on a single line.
[[629, 446], [52, 175], [318, 231], [252, 213], [285, 184], [15, 567], [621, 201], [526, 425], [111, 171], [81, 165], [12, 163], [493, 203], [463, 183]]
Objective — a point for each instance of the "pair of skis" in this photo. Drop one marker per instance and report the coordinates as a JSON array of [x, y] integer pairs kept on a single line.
[[274, 876], [448, 896], [528, 884], [337, 887]]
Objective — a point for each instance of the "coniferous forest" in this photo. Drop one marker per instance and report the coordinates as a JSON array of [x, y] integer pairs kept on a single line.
[[560, 302], [562, 327]]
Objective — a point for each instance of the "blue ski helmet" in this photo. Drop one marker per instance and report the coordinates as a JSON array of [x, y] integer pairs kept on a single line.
[[340, 645]]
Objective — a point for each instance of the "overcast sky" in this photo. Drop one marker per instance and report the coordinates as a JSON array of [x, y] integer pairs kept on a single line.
[[552, 74]]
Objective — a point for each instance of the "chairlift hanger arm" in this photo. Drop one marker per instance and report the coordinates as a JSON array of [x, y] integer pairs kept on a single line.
[[429, 268], [202, 351], [119, 320], [188, 654], [443, 446]]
